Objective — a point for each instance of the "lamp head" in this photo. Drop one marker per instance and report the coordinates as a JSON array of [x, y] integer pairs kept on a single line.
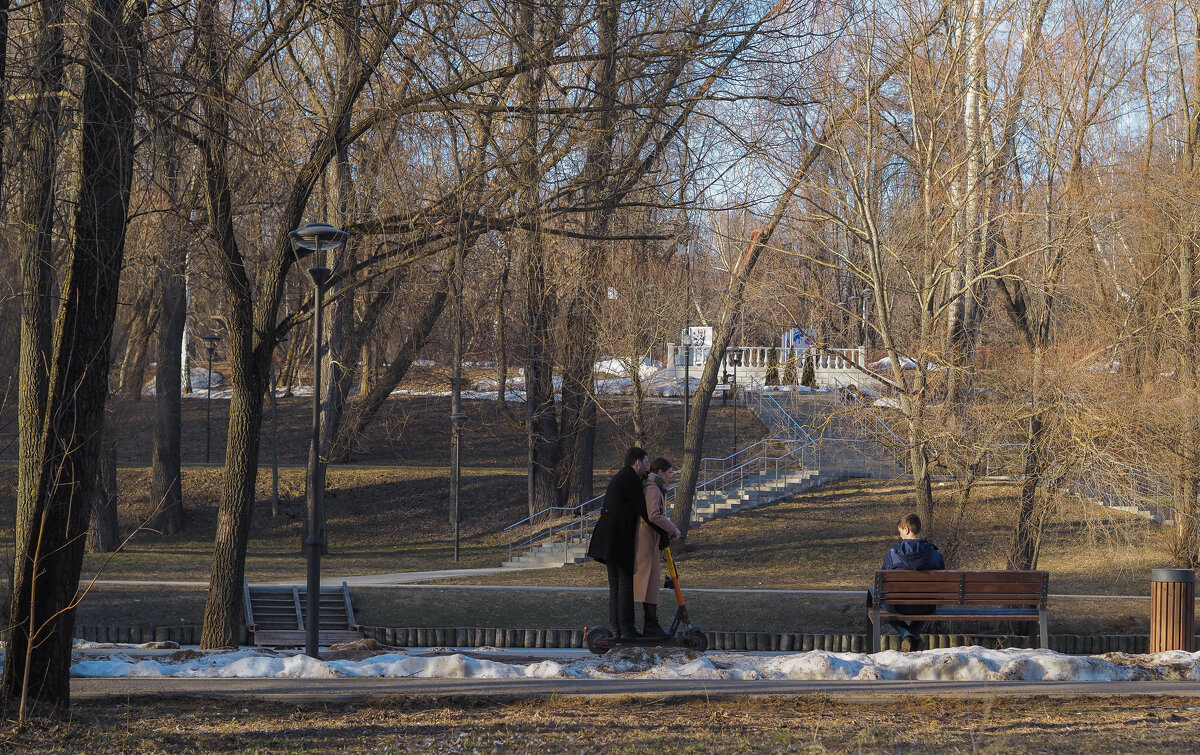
[[317, 237]]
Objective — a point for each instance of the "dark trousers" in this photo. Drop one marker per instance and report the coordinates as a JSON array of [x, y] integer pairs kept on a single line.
[[620, 600], [909, 627], [902, 628]]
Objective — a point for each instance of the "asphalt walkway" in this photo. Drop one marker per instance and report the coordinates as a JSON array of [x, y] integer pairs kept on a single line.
[[415, 579]]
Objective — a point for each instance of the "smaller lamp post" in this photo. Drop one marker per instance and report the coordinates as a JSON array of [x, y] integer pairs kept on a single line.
[[735, 359], [210, 344], [456, 422], [315, 238]]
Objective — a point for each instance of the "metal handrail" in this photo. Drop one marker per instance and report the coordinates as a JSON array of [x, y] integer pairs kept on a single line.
[[541, 512], [844, 397], [543, 525], [564, 527], [776, 410]]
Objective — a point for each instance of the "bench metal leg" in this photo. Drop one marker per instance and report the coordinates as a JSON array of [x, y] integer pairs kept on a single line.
[[1044, 626], [875, 638]]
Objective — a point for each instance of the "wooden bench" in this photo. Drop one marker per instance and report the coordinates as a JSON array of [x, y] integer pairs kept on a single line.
[[275, 615], [960, 596]]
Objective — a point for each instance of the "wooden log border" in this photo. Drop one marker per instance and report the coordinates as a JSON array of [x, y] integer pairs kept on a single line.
[[794, 642]]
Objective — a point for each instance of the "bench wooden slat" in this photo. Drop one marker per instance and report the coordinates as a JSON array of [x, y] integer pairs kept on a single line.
[[991, 600], [982, 575], [921, 578], [959, 595]]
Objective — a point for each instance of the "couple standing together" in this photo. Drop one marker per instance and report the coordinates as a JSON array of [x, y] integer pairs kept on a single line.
[[626, 540]]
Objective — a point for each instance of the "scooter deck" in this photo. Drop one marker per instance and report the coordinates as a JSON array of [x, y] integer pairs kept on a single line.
[[602, 639], [642, 642]]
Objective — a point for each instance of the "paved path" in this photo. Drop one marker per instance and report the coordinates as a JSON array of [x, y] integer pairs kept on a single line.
[[359, 690], [414, 578]]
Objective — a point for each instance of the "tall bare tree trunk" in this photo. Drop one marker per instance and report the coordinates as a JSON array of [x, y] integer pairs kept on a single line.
[[166, 481], [360, 414], [1026, 535], [965, 311], [50, 534], [39, 159], [583, 310], [339, 349], [132, 375], [540, 415], [103, 532]]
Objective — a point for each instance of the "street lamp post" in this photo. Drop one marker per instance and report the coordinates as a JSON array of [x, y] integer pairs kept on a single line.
[[735, 359], [315, 238], [210, 343], [687, 377], [456, 422]]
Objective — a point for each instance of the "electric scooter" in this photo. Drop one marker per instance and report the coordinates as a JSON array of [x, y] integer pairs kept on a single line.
[[600, 640]]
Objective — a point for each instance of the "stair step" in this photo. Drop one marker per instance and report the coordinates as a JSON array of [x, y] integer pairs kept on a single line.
[[750, 492]]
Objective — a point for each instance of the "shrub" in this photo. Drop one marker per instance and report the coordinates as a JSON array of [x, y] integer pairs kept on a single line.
[[789, 368], [810, 372], [772, 367]]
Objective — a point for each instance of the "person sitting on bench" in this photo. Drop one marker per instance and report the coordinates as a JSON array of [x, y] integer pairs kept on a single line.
[[917, 553]]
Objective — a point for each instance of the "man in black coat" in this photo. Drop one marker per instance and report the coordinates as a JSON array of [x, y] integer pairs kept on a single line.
[[614, 538]]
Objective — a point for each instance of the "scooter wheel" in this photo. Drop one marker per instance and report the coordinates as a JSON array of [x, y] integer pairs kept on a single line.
[[697, 640], [594, 637]]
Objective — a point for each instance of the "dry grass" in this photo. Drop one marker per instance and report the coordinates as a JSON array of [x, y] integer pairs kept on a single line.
[[411, 430], [609, 725], [834, 538], [385, 518], [831, 538]]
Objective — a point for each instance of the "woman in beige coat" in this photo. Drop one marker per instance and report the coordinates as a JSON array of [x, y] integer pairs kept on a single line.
[[647, 575]]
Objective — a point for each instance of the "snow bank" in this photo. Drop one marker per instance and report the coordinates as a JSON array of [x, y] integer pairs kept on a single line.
[[199, 383], [905, 364], [622, 366], [949, 664]]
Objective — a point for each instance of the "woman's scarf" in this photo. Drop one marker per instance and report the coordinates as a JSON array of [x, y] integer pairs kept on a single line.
[[658, 480]]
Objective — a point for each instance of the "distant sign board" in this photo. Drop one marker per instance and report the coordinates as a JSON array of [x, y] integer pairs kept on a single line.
[[698, 337], [799, 339]]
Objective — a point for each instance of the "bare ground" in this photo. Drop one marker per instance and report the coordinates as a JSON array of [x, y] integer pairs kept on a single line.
[[386, 518], [829, 539], [576, 725]]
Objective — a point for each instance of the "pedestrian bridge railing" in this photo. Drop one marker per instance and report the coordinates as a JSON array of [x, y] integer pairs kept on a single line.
[[832, 367]]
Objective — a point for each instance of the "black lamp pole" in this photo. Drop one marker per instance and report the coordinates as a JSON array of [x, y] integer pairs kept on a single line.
[[456, 421], [735, 358], [687, 377], [210, 343], [316, 237]]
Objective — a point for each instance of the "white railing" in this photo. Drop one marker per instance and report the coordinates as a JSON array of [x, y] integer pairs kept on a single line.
[[833, 367], [790, 446]]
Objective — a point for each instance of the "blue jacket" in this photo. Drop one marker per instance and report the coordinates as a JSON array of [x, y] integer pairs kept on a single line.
[[921, 555]]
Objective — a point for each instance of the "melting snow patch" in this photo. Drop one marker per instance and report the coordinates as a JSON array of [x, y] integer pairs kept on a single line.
[[948, 664]]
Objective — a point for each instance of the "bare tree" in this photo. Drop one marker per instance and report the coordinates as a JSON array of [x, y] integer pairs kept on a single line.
[[52, 524]]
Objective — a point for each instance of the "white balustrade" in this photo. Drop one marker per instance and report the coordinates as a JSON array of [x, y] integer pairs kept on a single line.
[[838, 367]]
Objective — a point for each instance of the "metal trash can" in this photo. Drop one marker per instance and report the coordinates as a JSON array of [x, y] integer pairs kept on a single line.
[[1172, 610]]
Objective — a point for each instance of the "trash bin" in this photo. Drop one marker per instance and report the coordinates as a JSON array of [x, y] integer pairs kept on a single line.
[[1172, 610]]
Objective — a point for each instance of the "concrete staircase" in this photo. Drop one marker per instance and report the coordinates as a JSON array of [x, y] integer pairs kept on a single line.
[[789, 462], [549, 555], [754, 490], [751, 491]]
